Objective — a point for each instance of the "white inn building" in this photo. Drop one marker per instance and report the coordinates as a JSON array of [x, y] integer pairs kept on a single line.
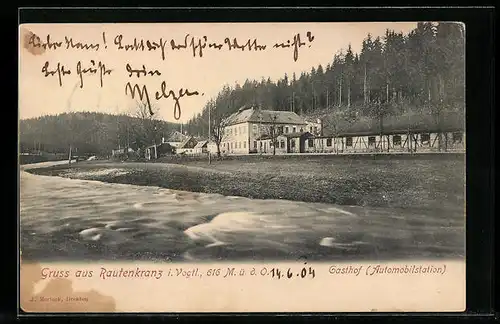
[[248, 125]]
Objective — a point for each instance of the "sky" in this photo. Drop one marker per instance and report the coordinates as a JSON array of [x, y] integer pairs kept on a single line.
[[41, 94]]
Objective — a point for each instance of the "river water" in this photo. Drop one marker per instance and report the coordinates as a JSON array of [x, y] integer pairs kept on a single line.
[[66, 219]]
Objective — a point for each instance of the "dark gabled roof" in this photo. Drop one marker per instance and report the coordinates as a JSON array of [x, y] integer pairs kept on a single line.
[[255, 115], [186, 141], [201, 144], [451, 121]]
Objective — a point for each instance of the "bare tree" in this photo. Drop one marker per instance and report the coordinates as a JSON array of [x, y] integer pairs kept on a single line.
[[218, 123], [274, 132], [144, 128]]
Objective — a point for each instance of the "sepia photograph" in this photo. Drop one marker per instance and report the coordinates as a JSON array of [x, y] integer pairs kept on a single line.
[[242, 142]]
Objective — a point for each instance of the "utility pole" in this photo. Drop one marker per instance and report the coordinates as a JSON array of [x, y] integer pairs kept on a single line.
[[313, 95], [69, 162], [340, 91], [71, 124], [128, 139], [209, 133], [154, 142], [260, 130], [327, 97]]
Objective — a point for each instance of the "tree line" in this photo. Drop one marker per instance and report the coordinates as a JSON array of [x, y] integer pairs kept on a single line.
[[421, 72], [92, 132]]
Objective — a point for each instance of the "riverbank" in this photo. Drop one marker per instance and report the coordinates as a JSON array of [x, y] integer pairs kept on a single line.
[[375, 182], [36, 158]]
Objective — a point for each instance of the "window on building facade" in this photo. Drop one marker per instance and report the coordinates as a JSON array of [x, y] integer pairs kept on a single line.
[[292, 142], [348, 141], [396, 140], [286, 129], [301, 129], [457, 137], [310, 142], [315, 129], [311, 129], [371, 140], [294, 129], [425, 138], [244, 144], [254, 144], [328, 142], [280, 130], [236, 131], [282, 144]]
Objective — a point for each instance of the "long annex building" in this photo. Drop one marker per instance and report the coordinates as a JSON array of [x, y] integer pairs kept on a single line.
[[250, 131]]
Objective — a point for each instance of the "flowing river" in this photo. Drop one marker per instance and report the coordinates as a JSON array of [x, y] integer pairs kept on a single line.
[[65, 219]]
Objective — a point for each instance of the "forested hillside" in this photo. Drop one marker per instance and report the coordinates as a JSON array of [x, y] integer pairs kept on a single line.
[[90, 132], [422, 72]]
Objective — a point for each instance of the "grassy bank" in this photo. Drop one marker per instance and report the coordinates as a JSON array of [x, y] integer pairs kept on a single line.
[[29, 159], [423, 181]]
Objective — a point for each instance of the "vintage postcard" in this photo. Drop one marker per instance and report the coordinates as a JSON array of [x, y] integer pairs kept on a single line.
[[242, 167]]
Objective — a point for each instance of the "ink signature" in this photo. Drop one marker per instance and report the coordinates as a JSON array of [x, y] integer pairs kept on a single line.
[[143, 93], [60, 70]]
